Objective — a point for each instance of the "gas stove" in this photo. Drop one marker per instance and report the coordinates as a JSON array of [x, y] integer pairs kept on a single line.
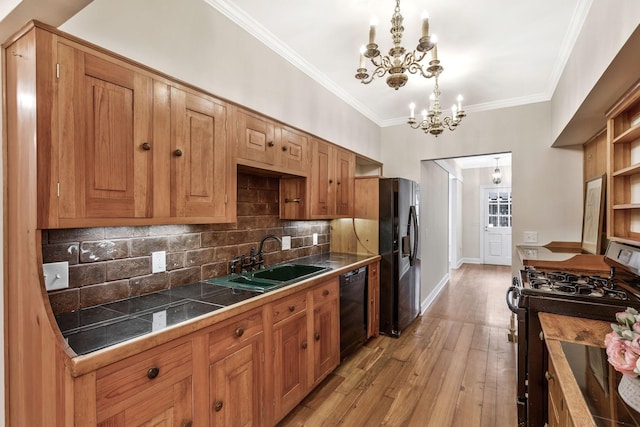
[[572, 285]]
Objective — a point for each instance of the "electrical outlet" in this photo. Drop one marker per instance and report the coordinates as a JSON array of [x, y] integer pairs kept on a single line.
[[158, 262], [531, 237], [286, 243], [56, 275], [315, 238]]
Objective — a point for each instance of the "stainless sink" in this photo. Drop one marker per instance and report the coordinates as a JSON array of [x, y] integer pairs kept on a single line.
[[270, 278]]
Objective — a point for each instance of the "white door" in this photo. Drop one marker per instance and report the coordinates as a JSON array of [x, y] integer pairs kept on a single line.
[[496, 232]]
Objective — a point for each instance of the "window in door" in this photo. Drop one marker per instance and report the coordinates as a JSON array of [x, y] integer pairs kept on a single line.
[[499, 204]]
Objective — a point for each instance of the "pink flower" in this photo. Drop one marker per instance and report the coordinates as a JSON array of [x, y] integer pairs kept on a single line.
[[622, 354]]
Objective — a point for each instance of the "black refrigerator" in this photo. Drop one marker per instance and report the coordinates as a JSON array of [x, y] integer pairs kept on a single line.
[[399, 248]]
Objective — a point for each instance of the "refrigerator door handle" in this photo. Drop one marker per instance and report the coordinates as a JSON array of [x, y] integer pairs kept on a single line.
[[413, 220]]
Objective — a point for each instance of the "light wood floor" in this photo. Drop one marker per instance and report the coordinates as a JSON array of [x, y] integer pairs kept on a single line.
[[453, 366]]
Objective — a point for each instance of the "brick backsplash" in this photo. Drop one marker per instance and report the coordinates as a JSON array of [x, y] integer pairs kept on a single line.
[[111, 263]]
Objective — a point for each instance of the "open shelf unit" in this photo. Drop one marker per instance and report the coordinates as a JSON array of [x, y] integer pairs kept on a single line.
[[623, 136]]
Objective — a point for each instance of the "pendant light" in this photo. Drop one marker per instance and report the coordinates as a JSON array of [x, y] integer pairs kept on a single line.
[[497, 175]]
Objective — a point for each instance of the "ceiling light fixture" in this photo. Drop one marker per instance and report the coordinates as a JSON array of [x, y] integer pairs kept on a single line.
[[398, 61], [497, 175], [431, 121]]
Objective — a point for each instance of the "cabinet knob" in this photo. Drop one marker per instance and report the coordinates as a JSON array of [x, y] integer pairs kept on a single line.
[[304, 345], [239, 331], [541, 336], [548, 376], [325, 292], [317, 336], [153, 372], [217, 406], [187, 424], [270, 144], [284, 148], [330, 181], [146, 146], [178, 152], [292, 308], [338, 182]]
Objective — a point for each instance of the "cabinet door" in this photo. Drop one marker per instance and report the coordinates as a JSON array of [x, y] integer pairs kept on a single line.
[[326, 336], [104, 127], [236, 387], [256, 138], [373, 328], [322, 184], [290, 364], [200, 178], [294, 151], [345, 183]]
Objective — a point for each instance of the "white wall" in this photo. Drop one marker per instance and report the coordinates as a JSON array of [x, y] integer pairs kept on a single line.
[[607, 27], [192, 41], [434, 234]]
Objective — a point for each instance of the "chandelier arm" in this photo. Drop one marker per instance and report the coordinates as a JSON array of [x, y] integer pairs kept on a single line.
[[414, 68]]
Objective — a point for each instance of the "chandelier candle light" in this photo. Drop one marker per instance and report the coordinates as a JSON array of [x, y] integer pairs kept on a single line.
[[398, 61], [431, 121]]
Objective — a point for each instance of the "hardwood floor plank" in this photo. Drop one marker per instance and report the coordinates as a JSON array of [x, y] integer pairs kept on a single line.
[[453, 366]]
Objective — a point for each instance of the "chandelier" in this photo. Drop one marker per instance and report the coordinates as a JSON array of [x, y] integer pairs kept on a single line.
[[397, 62], [497, 175], [431, 121]]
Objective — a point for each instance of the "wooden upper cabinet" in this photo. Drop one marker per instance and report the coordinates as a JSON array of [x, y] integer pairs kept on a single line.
[[105, 125], [108, 137], [256, 138], [294, 151], [200, 177], [265, 144], [332, 181]]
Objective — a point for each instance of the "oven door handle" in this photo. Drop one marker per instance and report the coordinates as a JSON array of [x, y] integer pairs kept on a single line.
[[513, 294]]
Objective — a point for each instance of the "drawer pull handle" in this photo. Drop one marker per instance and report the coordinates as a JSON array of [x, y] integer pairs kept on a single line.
[[548, 376], [239, 331], [317, 336], [325, 292], [177, 153], [292, 308], [153, 372], [218, 405], [146, 146], [294, 200], [304, 345]]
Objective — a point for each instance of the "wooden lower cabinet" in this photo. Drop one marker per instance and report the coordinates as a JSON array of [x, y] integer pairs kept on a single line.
[[152, 388], [248, 370], [373, 314]]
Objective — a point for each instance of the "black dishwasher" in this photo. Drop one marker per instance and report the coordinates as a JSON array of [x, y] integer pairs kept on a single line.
[[353, 310]]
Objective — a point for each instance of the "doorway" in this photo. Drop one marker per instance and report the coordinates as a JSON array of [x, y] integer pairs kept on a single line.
[[496, 220]]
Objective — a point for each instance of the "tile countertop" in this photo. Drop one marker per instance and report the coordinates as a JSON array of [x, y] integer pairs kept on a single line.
[[103, 326]]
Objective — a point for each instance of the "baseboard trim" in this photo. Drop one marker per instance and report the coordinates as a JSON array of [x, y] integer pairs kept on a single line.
[[434, 294]]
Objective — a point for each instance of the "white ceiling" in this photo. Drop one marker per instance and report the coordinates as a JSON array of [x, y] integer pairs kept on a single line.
[[496, 53]]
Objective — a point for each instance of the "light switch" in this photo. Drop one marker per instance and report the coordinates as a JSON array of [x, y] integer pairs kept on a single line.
[[531, 237], [56, 275]]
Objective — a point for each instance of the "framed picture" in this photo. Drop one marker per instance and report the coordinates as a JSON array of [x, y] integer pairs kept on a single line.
[[593, 215]]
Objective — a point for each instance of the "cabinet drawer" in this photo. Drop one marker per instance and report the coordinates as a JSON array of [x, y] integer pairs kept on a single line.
[[153, 368], [326, 292], [233, 333], [289, 306]]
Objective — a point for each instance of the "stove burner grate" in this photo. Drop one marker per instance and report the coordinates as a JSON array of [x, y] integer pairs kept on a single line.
[[572, 284]]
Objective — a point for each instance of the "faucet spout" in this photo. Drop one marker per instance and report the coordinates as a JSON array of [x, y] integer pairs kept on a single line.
[[264, 239]]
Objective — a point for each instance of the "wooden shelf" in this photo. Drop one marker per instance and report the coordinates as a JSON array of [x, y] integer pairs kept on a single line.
[[627, 206], [629, 135], [629, 170]]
